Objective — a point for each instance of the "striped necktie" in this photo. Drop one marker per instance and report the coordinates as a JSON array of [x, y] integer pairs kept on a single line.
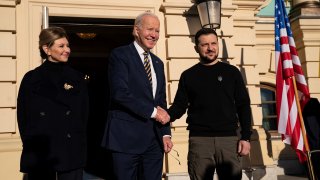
[[147, 67]]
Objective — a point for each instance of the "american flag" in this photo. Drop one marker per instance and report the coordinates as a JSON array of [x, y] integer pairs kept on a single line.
[[288, 66]]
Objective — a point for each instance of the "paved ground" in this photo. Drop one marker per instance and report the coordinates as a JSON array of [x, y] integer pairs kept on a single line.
[[280, 177], [286, 177]]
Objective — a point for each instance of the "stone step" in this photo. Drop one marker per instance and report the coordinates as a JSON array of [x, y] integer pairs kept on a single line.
[[285, 170]]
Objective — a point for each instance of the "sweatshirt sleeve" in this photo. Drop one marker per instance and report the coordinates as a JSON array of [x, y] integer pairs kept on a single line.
[[242, 101], [180, 103]]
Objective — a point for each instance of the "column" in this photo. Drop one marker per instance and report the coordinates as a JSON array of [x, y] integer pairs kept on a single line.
[[305, 24]]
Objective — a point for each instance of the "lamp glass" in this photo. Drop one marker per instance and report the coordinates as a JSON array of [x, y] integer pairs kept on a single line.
[[210, 14]]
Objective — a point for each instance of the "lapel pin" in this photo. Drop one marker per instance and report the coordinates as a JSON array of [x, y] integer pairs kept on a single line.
[[67, 86]]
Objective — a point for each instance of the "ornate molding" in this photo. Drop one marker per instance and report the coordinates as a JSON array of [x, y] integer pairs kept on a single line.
[[305, 10], [178, 8], [190, 9], [249, 4], [10, 144], [9, 2]]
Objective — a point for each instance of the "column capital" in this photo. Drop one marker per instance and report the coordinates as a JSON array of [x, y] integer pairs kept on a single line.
[[308, 9]]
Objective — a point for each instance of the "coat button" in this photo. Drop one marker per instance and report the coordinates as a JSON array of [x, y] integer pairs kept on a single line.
[[68, 112], [42, 113], [68, 135]]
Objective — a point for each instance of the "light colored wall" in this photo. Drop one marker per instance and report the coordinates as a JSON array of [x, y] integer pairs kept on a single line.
[[10, 145], [7, 65]]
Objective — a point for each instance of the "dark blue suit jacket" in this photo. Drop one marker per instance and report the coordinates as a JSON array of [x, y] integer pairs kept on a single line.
[[129, 127]]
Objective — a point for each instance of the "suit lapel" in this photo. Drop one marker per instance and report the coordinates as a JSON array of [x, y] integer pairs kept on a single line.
[[139, 65], [157, 70]]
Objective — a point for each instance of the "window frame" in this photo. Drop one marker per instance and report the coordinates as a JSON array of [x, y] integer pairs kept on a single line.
[[273, 133]]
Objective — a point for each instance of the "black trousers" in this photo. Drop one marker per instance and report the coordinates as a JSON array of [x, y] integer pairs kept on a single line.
[[145, 166], [76, 174]]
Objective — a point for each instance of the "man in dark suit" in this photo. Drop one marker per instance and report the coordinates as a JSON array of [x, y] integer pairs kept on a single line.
[[136, 130], [311, 117]]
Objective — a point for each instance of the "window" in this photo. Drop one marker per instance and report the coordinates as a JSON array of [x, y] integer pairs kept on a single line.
[[269, 112]]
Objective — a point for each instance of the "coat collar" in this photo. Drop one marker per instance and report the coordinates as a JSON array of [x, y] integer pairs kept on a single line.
[[59, 89]]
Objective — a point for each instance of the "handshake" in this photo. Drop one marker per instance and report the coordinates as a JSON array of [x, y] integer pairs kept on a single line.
[[162, 116]]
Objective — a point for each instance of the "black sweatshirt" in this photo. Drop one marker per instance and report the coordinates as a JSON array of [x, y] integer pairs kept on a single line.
[[216, 99]]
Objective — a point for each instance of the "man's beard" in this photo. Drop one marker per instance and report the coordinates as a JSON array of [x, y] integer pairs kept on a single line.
[[206, 60]]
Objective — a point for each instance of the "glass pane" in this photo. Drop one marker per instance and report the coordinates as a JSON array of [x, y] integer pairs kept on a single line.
[[265, 110], [266, 124], [269, 121], [268, 109], [267, 95], [273, 124]]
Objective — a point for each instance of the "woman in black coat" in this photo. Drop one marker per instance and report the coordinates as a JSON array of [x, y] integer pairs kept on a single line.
[[52, 113]]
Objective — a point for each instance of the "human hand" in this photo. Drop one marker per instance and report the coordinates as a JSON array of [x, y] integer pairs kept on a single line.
[[162, 116], [167, 143], [244, 147]]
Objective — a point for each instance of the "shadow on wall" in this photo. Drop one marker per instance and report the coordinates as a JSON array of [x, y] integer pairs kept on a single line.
[[193, 21]]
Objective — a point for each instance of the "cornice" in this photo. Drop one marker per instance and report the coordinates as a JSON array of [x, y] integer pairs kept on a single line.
[[191, 9], [9, 2], [248, 4], [10, 144], [305, 10], [178, 8]]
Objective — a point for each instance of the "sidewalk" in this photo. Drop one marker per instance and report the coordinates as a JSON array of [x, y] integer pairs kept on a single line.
[[287, 177], [279, 177]]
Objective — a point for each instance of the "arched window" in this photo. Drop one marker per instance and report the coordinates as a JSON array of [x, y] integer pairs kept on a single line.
[[269, 112]]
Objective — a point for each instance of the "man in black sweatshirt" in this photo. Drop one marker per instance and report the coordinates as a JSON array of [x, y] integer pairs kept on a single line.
[[218, 105]]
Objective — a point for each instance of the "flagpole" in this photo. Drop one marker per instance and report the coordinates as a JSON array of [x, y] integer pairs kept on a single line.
[[303, 129]]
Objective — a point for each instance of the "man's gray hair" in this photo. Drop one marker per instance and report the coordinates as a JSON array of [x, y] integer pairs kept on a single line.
[[139, 18]]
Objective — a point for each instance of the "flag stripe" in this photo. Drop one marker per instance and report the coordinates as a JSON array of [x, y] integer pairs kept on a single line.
[[288, 67]]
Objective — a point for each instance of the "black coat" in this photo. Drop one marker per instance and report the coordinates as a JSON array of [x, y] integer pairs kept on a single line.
[[311, 117], [52, 115]]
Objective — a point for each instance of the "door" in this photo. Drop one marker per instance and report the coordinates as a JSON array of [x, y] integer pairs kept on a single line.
[[45, 17]]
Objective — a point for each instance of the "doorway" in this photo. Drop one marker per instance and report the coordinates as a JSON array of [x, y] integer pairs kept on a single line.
[[91, 41]]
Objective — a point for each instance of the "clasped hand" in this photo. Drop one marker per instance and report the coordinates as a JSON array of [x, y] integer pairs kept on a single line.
[[162, 116]]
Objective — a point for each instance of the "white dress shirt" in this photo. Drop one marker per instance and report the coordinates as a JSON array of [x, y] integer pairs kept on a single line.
[[153, 74]]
